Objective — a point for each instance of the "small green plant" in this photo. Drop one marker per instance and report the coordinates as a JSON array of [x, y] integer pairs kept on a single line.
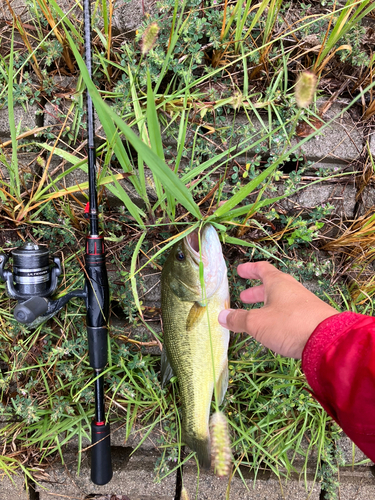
[[328, 474]]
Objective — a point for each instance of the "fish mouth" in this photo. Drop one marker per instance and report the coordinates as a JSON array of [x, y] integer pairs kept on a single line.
[[209, 242], [192, 241], [210, 255]]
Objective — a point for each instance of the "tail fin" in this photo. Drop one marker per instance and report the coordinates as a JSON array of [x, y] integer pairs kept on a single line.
[[202, 447]]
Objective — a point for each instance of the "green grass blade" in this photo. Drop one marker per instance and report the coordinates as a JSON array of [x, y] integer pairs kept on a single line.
[[142, 131], [133, 280], [344, 23], [122, 195], [153, 122], [157, 146], [260, 11], [107, 116], [243, 192], [105, 119]]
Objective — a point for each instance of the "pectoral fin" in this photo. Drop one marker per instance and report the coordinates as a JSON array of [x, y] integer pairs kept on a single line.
[[166, 369], [195, 315], [222, 384]]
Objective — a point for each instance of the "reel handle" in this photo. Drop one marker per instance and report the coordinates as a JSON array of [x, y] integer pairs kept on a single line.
[[27, 312]]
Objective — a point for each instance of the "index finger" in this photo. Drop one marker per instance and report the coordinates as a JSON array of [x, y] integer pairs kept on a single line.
[[256, 270]]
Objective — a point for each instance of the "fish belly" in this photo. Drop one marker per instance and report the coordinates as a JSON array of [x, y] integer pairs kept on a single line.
[[190, 353]]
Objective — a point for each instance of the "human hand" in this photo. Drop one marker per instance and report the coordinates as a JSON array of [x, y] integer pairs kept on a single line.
[[290, 313]]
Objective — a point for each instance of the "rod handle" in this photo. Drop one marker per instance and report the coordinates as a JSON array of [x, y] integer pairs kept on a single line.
[[101, 464], [98, 346]]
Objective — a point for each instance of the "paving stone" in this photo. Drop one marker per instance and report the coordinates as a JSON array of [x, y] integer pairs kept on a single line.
[[27, 119], [21, 9], [132, 192], [140, 439], [211, 487], [137, 333], [132, 476], [18, 7], [72, 8], [371, 142], [367, 199], [55, 114], [13, 489], [341, 142], [356, 492], [346, 446], [151, 277], [357, 475], [26, 164], [128, 16], [320, 150], [341, 196]]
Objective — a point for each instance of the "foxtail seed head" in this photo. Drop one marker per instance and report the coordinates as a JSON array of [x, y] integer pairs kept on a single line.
[[220, 444], [149, 38], [305, 89], [184, 494]]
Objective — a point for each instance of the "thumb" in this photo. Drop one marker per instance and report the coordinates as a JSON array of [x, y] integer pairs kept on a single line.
[[235, 320]]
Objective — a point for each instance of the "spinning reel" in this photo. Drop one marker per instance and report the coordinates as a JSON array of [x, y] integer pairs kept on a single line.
[[32, 283]]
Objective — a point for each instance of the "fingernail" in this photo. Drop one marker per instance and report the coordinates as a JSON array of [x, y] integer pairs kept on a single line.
[[223, 317]]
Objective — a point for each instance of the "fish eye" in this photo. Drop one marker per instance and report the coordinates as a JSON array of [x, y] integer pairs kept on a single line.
[[180, 256]]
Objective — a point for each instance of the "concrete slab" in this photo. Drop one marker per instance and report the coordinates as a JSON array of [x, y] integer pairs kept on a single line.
[[341, 196], [26, 118], [13, 489], [132, 476], [341, 142], [210, 487], [19, 8], [356, 492], [351, 453], [128, 16]]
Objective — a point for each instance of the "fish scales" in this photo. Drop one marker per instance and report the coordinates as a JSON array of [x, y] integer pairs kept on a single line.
[[188, 321]]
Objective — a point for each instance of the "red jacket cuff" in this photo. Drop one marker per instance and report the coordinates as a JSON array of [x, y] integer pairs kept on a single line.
[[339, 364], [324, 334]]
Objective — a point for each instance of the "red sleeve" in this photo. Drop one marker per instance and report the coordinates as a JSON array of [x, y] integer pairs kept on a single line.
[[339, 364]]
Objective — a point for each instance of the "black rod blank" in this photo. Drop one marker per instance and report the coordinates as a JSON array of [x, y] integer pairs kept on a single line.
[[97, 294], [93, 198]]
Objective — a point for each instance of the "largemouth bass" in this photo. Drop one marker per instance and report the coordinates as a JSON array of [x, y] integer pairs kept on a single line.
[[193, 336]]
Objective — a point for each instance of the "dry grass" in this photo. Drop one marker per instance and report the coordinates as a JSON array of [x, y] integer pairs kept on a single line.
[[356, 246]]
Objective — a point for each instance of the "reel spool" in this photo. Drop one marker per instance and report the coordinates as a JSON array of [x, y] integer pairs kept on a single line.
[[32, 281]]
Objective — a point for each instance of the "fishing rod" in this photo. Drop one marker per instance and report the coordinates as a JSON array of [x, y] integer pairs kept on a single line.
[[34, 280], [97, 289]]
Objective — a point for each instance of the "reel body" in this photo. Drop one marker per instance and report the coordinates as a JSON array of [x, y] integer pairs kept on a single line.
[[32, 283]]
